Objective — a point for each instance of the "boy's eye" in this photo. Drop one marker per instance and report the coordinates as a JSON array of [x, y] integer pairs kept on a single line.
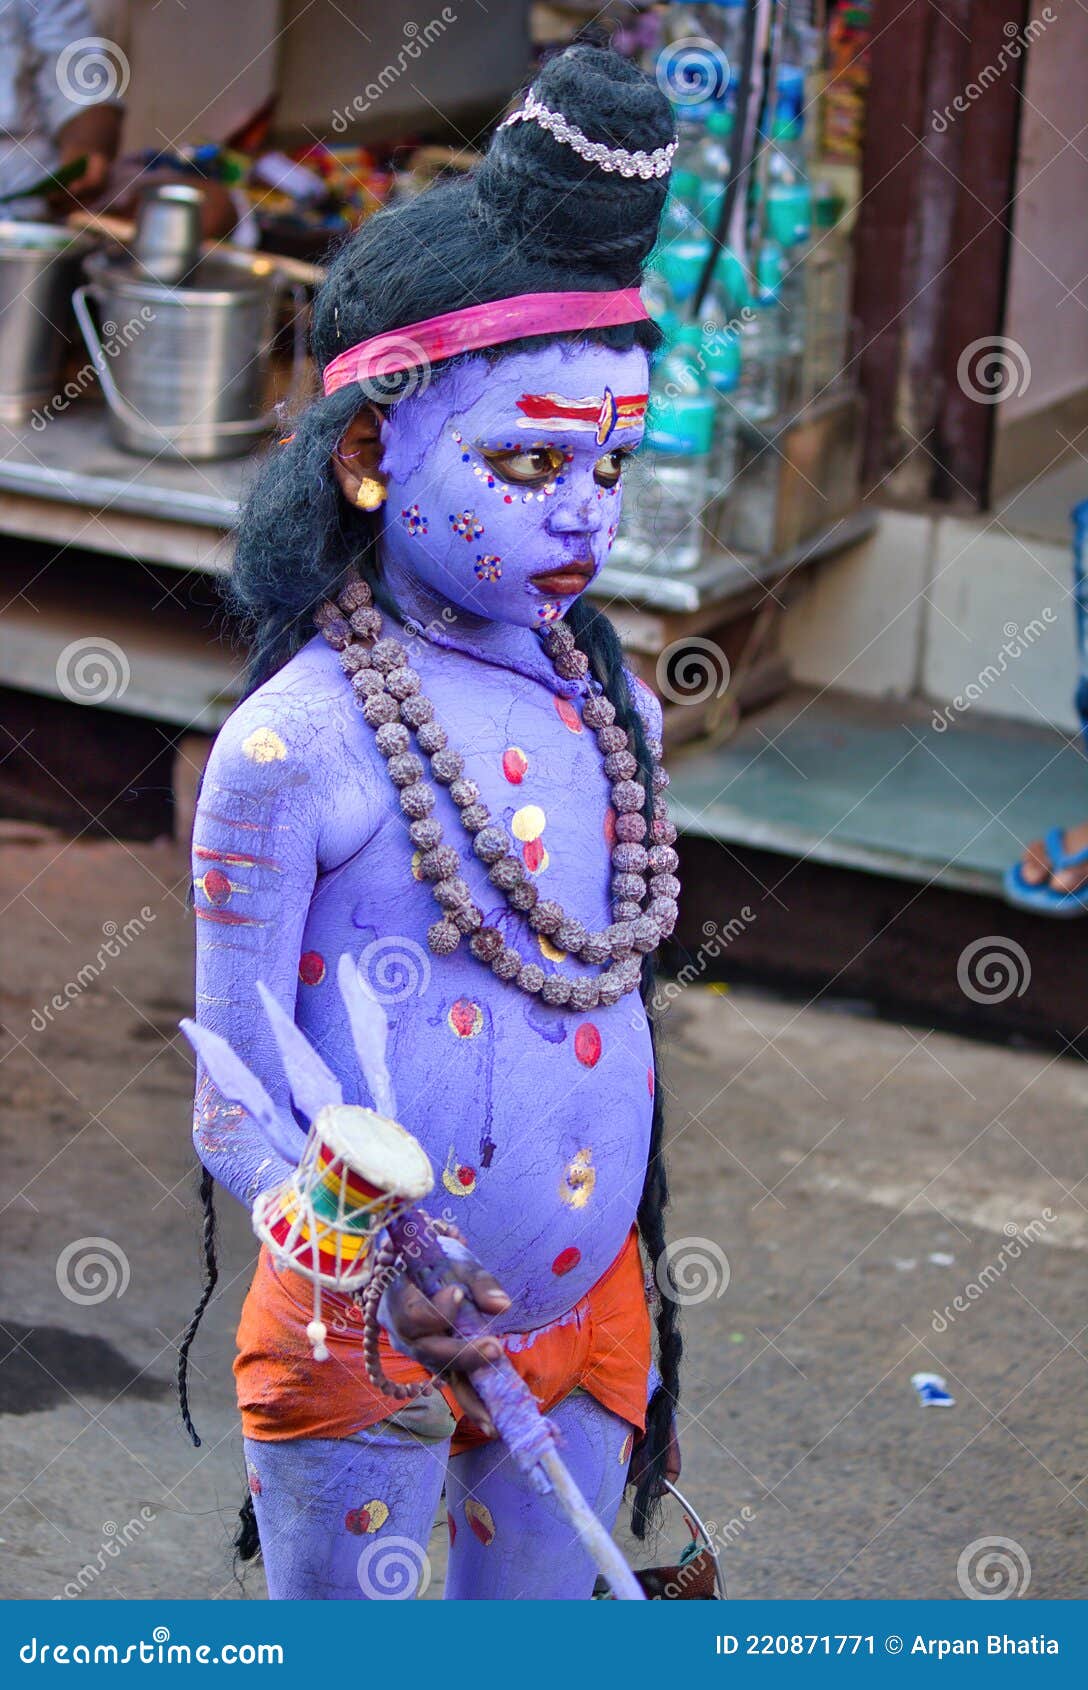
[[608, 470], [531, 468]]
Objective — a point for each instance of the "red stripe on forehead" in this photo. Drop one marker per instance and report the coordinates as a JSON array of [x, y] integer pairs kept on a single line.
[[553, 407]]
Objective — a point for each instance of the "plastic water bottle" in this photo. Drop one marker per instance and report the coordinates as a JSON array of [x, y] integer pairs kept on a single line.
[[731, 282], [789, 194], [684, 181], [789, 91], [828, 277], [719, 23], [720, 350], [676, 263], [719, 342], [789, 223], [789, 226], [727, 19], [802, 41], [761, 392], [712, 164], [793, 303], [666, 520], [680, 264]]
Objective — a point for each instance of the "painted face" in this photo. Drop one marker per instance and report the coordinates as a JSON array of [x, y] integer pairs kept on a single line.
[[504, 480]]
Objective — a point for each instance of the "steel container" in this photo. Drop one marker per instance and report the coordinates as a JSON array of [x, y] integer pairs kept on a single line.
[[184, 368], [167, 242], [39, 266]]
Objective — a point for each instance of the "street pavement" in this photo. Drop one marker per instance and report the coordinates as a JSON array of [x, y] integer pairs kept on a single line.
[[854, 1203]]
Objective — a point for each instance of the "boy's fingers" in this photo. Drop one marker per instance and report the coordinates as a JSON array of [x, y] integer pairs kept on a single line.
[[442, 1354], [487, 1293], [417, 1315], [472, 1404]]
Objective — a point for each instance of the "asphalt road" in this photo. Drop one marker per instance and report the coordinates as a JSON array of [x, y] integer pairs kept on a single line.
[[838, 1183]]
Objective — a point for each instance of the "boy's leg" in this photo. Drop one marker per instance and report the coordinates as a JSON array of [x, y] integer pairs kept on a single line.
[[507, 1543], [349, 1519]]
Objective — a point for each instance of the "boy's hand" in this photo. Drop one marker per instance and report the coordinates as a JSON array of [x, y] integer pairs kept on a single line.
[[423, 1328]]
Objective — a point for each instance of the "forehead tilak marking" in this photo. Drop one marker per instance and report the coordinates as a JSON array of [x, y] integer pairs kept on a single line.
[[601, 414]]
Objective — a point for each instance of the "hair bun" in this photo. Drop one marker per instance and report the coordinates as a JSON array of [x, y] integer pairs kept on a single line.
[[535, 195]]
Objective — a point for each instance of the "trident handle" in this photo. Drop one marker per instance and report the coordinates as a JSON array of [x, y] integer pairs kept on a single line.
[[528, 1435], [518, 1420]]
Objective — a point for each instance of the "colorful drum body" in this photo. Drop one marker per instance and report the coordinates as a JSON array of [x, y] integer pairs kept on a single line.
[[358, 1170]]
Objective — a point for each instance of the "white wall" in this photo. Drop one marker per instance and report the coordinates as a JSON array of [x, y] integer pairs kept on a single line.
[[924, 606], [198, 70]]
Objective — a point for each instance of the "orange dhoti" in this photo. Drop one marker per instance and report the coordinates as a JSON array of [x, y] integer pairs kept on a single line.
[[601, 1346]]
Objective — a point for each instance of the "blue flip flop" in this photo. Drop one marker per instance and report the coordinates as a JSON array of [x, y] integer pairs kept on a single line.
[[1042, 899]]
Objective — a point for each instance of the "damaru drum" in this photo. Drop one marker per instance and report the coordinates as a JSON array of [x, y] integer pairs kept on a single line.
[[357, 1171]]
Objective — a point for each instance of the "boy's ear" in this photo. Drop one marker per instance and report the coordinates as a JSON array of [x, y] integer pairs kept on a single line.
[[359, 452]]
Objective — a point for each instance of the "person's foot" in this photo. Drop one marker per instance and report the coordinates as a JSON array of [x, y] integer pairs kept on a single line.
[[1037, 868]]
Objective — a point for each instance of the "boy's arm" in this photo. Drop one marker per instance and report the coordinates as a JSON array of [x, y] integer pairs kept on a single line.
[[254, 868]]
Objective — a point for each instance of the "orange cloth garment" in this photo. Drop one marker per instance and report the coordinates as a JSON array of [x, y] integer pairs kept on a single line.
[[602, 1345]]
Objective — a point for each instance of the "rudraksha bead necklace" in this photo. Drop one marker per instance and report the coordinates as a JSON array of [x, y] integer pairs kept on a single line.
[[387, 689]]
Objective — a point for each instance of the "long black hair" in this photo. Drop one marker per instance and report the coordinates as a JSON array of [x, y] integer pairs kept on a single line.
[[535, 217]]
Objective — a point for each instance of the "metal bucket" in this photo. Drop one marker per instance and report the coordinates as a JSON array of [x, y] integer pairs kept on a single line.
[[183, 369], [39, 264]]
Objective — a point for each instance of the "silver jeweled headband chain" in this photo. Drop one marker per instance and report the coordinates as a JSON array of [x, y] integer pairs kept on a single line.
[[616, 159]]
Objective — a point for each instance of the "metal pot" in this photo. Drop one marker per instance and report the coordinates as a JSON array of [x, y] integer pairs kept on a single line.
[[167, 242], [39, 263], [183, 368]]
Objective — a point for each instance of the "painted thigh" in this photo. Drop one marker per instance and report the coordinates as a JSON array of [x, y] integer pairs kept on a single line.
[[507, 1543], [346, 1519]]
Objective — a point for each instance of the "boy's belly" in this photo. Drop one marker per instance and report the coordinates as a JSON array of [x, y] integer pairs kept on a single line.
[[539, 1148], [536, 1120]]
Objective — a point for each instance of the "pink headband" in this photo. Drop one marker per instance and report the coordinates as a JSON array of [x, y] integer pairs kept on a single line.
[[481, 325]]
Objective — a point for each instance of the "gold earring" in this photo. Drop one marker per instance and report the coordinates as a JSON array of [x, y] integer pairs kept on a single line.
[[370, 494]]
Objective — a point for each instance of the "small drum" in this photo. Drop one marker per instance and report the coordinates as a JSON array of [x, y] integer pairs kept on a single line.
[[358, 1170]]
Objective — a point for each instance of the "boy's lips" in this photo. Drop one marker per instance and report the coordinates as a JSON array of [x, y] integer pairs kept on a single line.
[[560, 583]]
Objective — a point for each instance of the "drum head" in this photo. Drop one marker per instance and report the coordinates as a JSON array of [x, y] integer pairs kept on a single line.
[[379, 1150]]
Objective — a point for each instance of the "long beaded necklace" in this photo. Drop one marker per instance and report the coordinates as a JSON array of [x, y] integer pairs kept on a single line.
[[387, 689]]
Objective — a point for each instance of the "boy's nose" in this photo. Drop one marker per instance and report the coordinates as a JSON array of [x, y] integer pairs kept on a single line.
[[575, 515]]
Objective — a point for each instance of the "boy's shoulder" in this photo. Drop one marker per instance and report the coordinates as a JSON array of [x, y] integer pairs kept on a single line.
[[288, 715]]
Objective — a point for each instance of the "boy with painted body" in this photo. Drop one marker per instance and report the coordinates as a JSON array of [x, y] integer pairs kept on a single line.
[[501, 479]]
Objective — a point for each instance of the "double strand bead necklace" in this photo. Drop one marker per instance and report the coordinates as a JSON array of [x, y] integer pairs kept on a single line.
[[644, 861]]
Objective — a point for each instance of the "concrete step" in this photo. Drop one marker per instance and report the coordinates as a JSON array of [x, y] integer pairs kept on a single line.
[[776, 826], [879, 785]]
